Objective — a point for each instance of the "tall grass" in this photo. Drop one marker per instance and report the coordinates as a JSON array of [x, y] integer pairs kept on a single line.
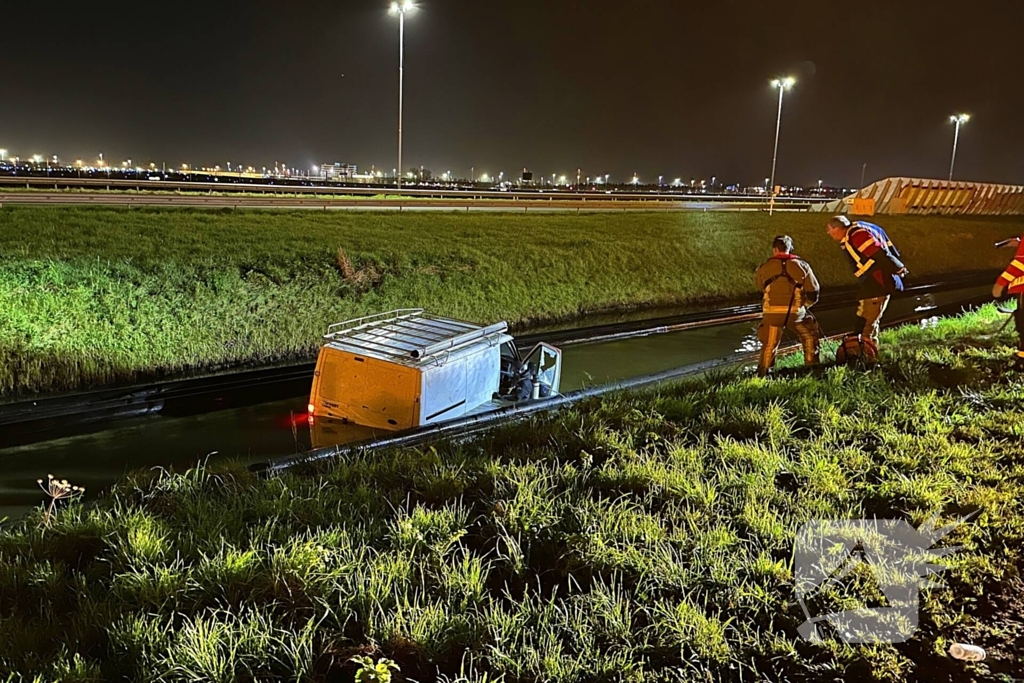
[[96, 295], [645, 537]]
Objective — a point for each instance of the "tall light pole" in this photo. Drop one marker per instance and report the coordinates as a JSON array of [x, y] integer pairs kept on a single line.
[[782, 84], [401, 8], [959, 120]]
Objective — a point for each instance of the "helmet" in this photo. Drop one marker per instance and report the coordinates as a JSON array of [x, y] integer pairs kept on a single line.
[[856, 347], [839, 222]]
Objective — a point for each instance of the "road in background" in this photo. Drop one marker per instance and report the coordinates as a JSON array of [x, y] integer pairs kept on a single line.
[[537, 205], [182, 191]]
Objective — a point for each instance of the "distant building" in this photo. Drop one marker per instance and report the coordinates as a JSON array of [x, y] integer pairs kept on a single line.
[[337, 171], [421, 174]]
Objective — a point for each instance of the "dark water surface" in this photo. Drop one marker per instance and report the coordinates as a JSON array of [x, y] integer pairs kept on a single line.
[[277, 429]]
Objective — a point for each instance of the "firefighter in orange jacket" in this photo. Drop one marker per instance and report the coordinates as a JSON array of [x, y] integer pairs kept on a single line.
[[1011, 283], [790, 288]]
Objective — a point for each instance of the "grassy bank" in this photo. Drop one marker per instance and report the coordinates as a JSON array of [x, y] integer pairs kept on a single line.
[[91, 296], [645, 537]]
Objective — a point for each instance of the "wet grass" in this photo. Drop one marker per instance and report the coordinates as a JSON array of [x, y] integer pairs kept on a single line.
[[644, 537], [92, 296]]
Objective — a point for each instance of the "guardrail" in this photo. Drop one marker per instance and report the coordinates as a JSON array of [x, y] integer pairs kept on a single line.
[[178, 185], [255, 201]]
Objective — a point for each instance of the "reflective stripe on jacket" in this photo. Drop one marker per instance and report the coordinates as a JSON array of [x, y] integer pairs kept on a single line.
[[1013, 277], [880, 235], [875, 262], [789, 285]]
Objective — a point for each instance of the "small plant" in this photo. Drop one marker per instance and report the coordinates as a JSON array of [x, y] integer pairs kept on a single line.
[[374, 672], [57, 489], [361, 279]]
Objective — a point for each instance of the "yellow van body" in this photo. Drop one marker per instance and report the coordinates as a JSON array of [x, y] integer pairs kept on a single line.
[[365, 390], [404, 369]]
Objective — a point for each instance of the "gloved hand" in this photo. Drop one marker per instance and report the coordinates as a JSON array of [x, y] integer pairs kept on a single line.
[[998, 291]]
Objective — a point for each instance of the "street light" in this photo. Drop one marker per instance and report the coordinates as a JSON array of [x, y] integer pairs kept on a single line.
[[3, 154], [401, 8], [959, 120], [782, 84]]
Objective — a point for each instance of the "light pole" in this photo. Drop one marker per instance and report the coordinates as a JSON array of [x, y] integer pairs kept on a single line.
[[401, 8], [958, 119], [781, 84]]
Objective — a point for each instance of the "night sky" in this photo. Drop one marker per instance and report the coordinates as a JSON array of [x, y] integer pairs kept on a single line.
[[671, 87]]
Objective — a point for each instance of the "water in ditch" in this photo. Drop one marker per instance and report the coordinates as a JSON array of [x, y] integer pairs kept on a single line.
[[279, 428]]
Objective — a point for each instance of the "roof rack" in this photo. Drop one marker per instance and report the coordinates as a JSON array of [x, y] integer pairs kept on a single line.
[[407, 334]]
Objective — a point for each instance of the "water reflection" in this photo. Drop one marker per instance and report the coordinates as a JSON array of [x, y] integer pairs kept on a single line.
[[279, 429]]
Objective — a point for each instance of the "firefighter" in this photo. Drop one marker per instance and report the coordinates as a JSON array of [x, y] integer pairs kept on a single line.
[[790, 289], [1011, 283], [876, 265]]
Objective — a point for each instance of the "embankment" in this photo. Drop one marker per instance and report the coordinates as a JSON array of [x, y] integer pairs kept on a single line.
[[641, 537], [96, 296]]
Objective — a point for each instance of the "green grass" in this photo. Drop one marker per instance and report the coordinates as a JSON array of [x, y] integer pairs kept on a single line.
[[642, 537], [93, 296]]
